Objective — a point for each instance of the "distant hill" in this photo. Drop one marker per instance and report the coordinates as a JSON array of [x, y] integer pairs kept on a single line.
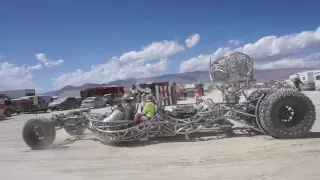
[[185, 78]]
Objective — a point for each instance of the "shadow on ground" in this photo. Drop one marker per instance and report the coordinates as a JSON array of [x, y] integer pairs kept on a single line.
[[65, 144], [313, 135], [6, 118], [196, 137]]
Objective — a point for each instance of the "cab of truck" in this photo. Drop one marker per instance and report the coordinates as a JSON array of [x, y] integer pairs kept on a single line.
[[1, 107], [9, 108]]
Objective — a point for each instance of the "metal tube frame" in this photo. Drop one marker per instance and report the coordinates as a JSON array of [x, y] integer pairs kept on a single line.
[[207, 116]]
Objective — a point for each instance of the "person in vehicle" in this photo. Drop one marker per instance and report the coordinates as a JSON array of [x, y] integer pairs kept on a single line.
[[148, 111], [125, 111], [129, 107]]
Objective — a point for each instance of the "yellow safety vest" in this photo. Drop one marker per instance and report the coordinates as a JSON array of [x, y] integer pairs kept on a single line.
[[35, 100]]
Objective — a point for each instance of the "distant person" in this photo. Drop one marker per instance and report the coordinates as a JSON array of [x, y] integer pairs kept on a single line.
[[297, 82], [197, 94]]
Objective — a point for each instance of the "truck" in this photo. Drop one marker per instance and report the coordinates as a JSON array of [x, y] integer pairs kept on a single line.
[[15, 94], [1, 106], [9, 106], [110, 94]]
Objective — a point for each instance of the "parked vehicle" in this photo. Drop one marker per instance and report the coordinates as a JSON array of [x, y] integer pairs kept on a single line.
[[54, 98], [64, 103], [115, 91], [41, 106], [112, 99], [1, 106], [23, 104], [10, 108], [93, 102], [47, 99]]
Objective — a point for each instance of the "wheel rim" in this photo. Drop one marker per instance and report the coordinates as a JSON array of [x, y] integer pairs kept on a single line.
[[290, 114], [36, 134], [8, 113], [287, 114]]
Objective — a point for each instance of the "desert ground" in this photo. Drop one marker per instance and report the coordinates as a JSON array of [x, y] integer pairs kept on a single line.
[[219, 157]]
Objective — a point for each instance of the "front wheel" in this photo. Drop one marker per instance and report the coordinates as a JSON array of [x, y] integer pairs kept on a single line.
[[38, 133], [8, 113], [63, 107]]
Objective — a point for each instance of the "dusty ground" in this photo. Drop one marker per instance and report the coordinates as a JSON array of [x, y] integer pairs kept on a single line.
[[237, 158]]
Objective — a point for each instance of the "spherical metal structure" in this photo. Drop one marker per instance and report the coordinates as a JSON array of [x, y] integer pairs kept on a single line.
[[234, 68]]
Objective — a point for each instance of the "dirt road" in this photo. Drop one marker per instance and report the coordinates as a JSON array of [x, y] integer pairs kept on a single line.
[[236, 158]]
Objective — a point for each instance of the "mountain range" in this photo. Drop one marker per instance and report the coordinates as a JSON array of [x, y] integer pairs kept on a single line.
[[185, 78]]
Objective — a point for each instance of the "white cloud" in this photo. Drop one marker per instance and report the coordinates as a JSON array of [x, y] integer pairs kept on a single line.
[[133, 64], [192, 40], [35, 67], [13, 76], [267, 49], [110, 71], [308, 62], [235, 42], [47, 62], [156, 50], [202, 61]]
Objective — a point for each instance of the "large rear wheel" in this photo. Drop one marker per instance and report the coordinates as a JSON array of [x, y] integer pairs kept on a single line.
[[287, 113]]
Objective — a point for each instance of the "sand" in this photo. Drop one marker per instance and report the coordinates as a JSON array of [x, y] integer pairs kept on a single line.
[[221, 158]]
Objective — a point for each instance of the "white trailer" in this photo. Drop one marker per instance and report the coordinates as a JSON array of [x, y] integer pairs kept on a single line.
[[305, 76], [15, 94], [308, 79], [71, 93], [316, 77]]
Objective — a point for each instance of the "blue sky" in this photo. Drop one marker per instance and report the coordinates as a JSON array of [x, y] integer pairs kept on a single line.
[[86, 33]]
